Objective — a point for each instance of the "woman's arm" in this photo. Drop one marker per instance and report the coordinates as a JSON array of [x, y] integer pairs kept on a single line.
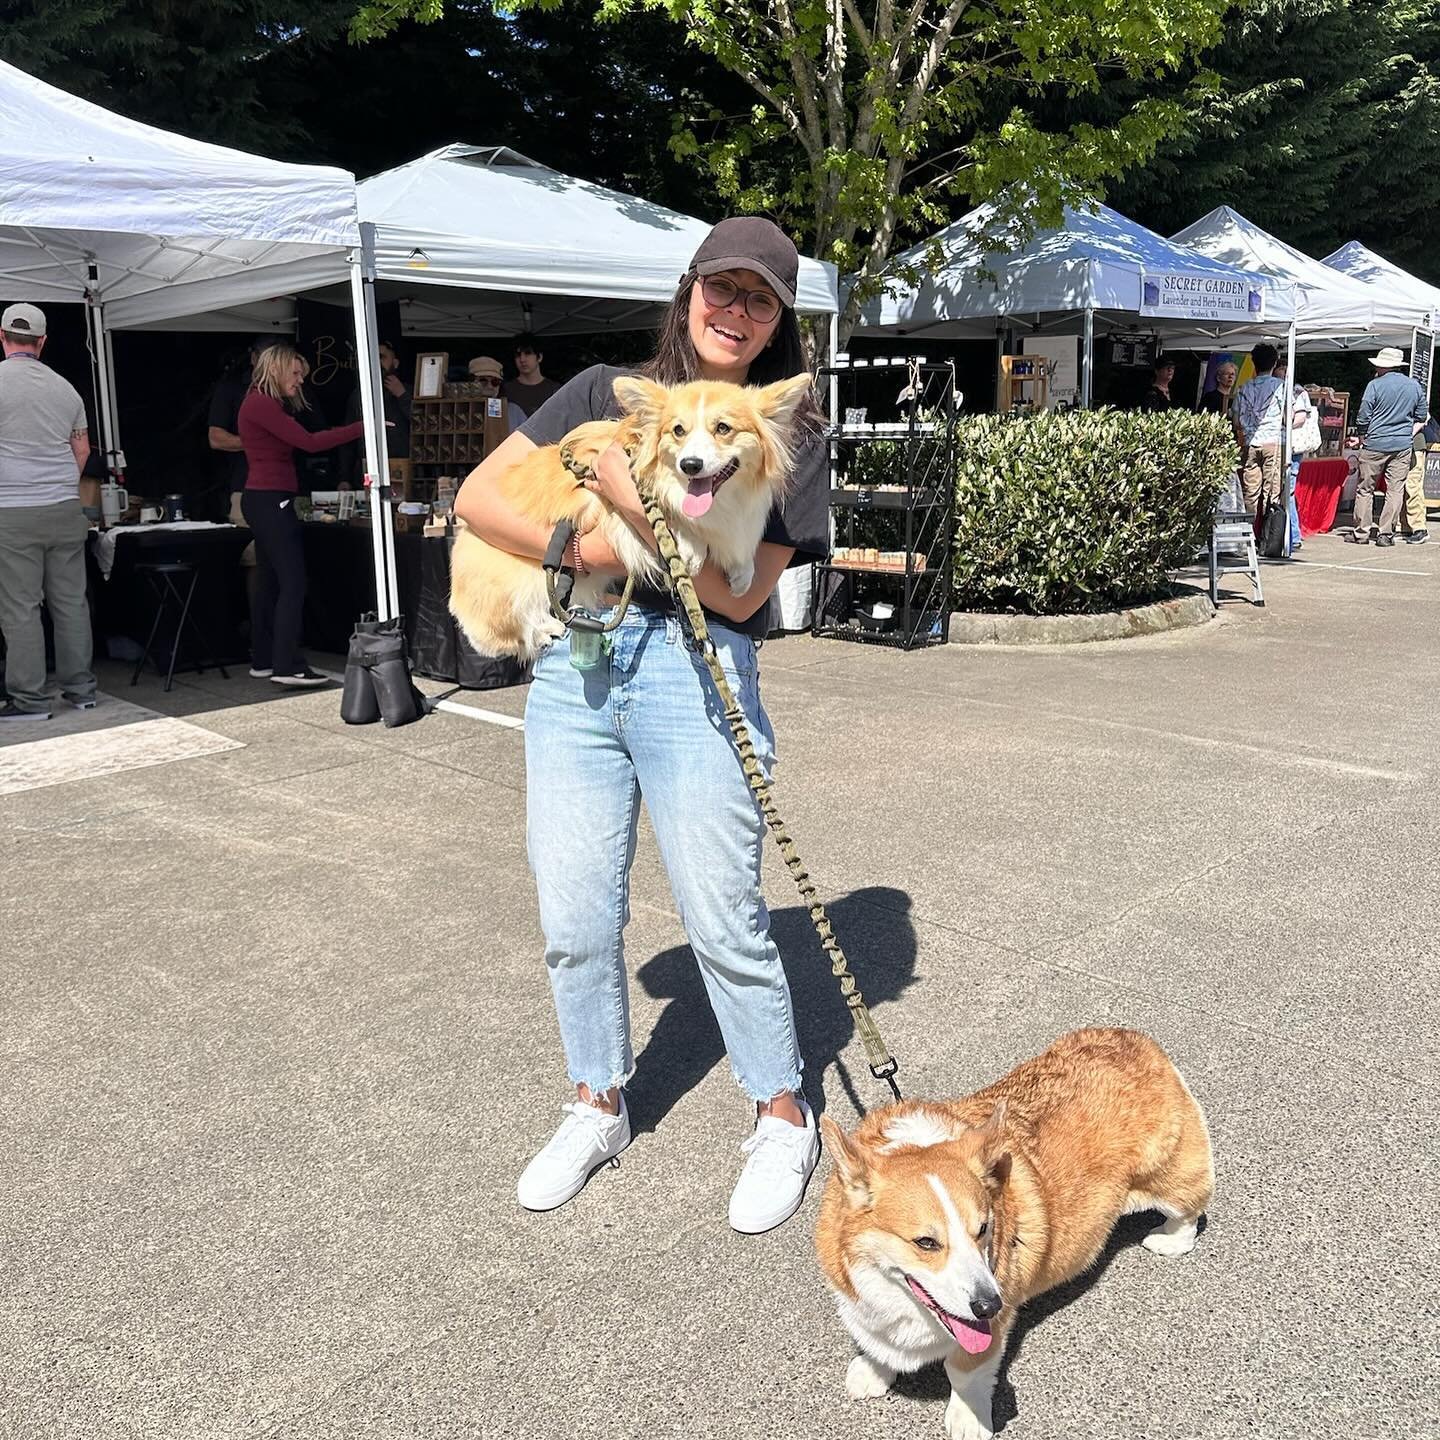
[[714, 589], [271, 416]]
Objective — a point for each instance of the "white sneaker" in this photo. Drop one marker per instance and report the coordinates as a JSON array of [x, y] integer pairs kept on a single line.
[[586, 1139], [261, 672], [772, 1184]]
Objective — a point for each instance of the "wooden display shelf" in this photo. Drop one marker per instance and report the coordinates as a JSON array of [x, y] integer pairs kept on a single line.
[[887, 562]]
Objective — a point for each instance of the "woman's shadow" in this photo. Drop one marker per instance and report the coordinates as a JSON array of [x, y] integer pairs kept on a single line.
[[875, 931]]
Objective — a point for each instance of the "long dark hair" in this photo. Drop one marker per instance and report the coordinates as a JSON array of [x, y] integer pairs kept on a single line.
[[675, 361]]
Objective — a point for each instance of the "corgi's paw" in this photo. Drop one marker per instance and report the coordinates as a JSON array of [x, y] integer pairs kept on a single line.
[[867, 1379], [1174, 1237], [692, 556], [741, 580], [962, 1423]]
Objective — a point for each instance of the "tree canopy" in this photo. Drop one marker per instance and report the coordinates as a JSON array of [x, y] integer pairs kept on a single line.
[[862, 125]]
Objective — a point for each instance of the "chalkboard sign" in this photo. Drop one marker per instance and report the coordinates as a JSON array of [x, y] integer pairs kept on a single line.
[[1432, 474], [1422, 351], [1133, 352]]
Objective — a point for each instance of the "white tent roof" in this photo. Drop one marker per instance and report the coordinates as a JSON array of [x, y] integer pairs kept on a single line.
[[490, 220], [1328, 303], [1095, 260], [171, 225], [1360, 263]]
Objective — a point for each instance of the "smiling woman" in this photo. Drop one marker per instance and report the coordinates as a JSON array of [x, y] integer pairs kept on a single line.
[[645, 722]]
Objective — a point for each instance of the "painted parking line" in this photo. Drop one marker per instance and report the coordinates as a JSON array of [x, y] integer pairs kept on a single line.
[[453, 707], [1367, 569]]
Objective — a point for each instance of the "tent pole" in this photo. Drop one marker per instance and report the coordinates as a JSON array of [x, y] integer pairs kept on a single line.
[[103, 357], [1087, 370], [835, 416], [377, 461], [110, 372], [1289, 396]]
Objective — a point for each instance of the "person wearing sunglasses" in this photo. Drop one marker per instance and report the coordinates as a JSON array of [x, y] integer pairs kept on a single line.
[[646, 725]]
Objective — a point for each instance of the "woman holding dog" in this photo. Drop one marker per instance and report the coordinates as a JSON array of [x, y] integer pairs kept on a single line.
[[646, 722]]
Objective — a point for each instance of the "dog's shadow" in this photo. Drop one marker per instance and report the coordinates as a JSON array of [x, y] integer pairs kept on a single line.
[[874, 928], [931, 1382]]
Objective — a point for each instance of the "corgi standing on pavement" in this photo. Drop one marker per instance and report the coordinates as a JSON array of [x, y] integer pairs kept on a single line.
[[942, 1218]]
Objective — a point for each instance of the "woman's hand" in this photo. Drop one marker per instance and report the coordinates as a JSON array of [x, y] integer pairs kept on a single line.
[[615, 485]]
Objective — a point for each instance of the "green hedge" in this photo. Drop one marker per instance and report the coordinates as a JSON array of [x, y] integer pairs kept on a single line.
[[1060, 513]]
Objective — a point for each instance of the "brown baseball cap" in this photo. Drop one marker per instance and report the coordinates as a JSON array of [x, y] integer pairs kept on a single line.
[[486, 366], [748, 242]]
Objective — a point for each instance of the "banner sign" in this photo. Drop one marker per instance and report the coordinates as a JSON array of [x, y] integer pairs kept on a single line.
[[1422, 351], [1200, 297]]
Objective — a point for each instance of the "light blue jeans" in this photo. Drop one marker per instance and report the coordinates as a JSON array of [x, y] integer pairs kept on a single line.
[[647, 721]]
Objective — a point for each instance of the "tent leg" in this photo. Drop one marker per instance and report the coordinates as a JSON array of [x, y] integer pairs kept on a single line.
[[377, 460], [1087, 362], [835, 417], [103, 357], [1289, 397]]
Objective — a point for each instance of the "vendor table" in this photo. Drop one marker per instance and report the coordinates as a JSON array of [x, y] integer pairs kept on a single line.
[[340, 586], [1317, 493], [122, 604]]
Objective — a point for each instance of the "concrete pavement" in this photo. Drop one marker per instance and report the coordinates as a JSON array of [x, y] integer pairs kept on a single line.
[[279, 1040]]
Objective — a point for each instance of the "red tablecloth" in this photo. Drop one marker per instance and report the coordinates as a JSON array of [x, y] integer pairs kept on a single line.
[[1317, 493]]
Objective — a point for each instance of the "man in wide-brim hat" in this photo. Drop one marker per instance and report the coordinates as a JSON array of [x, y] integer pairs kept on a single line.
[[1392, 411]]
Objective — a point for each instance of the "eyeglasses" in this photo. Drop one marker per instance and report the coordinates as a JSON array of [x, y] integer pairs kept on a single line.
[[762, 306]]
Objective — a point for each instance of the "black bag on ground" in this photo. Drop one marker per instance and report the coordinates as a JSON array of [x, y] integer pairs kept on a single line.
[[377, 676], [1274, 519]]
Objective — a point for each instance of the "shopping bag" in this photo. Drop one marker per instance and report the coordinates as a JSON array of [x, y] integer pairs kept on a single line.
[[1274, 523]]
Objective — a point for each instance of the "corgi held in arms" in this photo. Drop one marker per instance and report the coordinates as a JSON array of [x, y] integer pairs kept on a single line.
[[942, 1218], [715, 457]]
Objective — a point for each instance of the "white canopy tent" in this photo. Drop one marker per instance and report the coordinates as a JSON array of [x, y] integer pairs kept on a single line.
[[1332, 310], [480, 240], [1363, 264], [1092, 270], [143, 226]]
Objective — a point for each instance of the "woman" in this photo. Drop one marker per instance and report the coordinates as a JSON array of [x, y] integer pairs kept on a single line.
[[271, 435], [646, 722], [1219, 400], [1302, 411]]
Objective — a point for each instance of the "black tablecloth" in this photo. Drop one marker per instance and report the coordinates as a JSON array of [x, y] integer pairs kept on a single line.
[[124, 605], [340, 586]]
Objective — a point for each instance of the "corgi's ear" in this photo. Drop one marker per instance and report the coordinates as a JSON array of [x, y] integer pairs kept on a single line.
[[639, 397], [993, 1156], [850, 1164], [781, 401]]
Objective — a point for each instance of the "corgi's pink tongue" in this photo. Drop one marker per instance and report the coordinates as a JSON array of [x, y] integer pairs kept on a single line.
[[698, 497], [972, 1336]]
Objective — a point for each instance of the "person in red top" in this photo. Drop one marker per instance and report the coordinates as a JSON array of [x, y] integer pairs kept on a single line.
[[271, 435]]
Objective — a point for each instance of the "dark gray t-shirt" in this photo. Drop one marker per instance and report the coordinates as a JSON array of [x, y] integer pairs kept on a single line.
[[800, 520]]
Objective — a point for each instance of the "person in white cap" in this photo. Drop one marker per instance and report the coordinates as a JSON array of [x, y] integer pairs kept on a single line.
[[44, 443], [1392, 411]]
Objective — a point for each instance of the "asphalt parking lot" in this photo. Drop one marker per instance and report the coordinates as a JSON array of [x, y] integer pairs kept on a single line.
[[279, 1040]]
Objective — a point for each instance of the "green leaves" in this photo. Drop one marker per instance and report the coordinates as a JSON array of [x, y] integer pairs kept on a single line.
[[1061, 513]]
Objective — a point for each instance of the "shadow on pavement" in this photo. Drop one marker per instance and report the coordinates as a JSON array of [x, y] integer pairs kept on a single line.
[[874, 929]]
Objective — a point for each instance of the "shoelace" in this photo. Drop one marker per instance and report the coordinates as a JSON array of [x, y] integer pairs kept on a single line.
[[772, 1153], [582, 1128]]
